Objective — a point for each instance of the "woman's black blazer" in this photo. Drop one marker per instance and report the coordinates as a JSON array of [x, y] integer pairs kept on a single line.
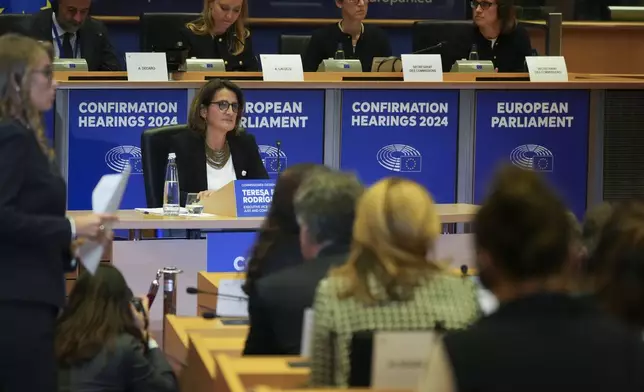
[[35, 236], [218, 47], [189, 146]]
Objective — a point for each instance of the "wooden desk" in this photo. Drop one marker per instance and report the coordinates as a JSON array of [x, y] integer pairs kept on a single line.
[[242, 374], [178, 329], [199, 373], [209, 282]]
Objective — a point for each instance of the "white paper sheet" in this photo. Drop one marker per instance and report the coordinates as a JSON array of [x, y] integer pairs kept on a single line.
[[106, 199], [307, 333], [182, 212], [237, 306]]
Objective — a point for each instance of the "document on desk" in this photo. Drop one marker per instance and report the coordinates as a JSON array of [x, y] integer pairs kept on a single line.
[[232, 301], [106, 199]]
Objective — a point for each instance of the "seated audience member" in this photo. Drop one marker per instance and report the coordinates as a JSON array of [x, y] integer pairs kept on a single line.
[[216, 150], [584, 271], [357, 40], [325, 209], [220, 33], [541, 338], [75, 34], [388, 282], [278, 241], [102, 341], [497, 36], [618, 263]]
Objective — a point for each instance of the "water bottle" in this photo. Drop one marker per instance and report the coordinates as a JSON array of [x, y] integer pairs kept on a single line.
[[171, 187], [339, 53], [474, 53]]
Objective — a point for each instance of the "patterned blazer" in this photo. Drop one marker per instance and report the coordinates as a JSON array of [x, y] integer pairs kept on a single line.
[[443, 298]]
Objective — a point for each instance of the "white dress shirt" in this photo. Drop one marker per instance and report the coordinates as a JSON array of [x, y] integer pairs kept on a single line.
[[58, 35], [217, 178]]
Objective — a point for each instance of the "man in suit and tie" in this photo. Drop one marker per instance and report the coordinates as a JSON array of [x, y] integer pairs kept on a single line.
[[75, 34], [325, 209]]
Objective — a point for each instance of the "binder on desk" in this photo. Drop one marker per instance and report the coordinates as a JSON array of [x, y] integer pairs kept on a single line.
[[241, 199]]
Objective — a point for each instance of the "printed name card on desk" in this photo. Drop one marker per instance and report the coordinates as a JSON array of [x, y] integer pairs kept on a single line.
[[282, 67], [242, 199], [400, 358], [547, 68], [422, 68], [146, 67]]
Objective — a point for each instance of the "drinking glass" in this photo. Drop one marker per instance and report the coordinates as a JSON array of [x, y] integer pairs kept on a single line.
[[193, 204]]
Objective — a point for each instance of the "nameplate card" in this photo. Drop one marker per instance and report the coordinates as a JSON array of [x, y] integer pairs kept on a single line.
[[401, 358], [422, 67], [146, 67], [282, 67], [253, 197], [547, 68]]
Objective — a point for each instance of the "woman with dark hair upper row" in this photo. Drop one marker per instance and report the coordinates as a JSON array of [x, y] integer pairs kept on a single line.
[[497, 35], [278, 241], [220, 33], [102, 340], [216, 150]]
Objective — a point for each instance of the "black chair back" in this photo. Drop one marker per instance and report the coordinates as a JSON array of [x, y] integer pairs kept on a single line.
[[155, 147], [159, 31], [426, 33], [293, 44], [360, 359], [14, 23]]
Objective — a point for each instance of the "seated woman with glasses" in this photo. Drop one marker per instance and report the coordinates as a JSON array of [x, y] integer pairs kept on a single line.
[[216, 150], [497, 36], [102, 341], [358, 41]]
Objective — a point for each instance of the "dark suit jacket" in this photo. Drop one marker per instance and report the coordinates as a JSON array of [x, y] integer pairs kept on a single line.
[[35, 236], [547, 342], [95, 46], [123, 367], [207, 47], [508, 54], [276, 315], [373, 42], [191, 160]]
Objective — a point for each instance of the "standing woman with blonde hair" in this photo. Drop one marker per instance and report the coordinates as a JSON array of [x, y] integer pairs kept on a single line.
[[389, 281], [35, 236], [220, 33]]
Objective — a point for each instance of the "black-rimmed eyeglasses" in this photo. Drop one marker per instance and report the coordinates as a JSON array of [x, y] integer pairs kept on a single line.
[[483, 4], [225, 105]]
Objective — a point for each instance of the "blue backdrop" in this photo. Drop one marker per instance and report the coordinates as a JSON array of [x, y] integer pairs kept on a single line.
[[105, 129], [402, 133], [545, 131], [295, 118], [378, 9], [227, 252]]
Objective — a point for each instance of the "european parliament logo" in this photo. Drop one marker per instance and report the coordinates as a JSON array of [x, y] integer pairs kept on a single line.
[[239, 264], [533, 157], [119, 157], [274, 160], [400, 158]]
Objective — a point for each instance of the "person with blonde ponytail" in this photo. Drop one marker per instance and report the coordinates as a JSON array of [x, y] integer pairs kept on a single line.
[[390, 280], [220, 32], [35, 236]]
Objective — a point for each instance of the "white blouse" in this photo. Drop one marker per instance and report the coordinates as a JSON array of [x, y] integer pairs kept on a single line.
[[217, 178]]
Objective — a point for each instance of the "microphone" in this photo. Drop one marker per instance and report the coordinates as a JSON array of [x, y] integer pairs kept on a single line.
[[464, 271], [432, 48], [194, 290], [278, 143]]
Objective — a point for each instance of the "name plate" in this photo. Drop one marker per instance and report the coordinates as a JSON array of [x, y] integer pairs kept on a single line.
[[547, 68], [422, 67], [253, 197], [282, 67], [146, 67], [401, 358]]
